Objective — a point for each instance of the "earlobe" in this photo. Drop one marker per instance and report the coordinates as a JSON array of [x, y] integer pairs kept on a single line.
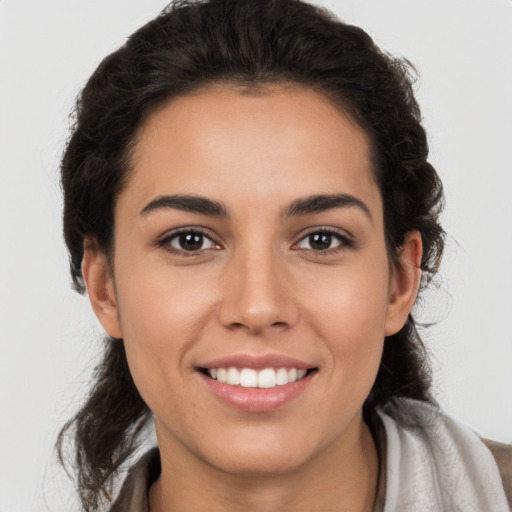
[[100, 288], [404, 283]]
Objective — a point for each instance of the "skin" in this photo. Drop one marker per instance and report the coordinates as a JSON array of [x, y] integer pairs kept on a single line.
[[257, 285]]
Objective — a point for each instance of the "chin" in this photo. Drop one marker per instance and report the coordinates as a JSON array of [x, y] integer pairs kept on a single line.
[[261, 464], [264, 456]]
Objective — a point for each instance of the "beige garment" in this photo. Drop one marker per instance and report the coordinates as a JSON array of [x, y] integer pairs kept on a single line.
[[434, 463], [503, 455]]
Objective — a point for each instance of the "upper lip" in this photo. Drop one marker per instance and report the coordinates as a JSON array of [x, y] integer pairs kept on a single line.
[[258, 362]]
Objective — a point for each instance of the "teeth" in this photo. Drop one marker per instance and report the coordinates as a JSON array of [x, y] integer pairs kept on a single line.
[[222, 375], [282, 377], [250, 378], [267, 378], [233, 377]]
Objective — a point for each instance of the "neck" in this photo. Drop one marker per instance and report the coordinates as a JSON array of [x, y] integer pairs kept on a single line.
[[342, 477]]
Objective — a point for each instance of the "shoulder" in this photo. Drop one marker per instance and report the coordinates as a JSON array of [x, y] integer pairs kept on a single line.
[[133, 496], [502, 454], [433, 458]]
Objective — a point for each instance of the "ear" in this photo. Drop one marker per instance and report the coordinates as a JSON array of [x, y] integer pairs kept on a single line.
[[404, 282], [100, 288]]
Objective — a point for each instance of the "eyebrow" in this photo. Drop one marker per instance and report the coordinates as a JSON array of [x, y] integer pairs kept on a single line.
[[187, 203], [303, 206], [322, 202]]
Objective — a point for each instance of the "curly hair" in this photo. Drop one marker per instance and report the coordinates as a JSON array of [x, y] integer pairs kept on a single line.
[[190, 45]]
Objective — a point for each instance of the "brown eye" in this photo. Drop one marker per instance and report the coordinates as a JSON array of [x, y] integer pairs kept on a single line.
[[324, 241], [190, 241], [320, 241]]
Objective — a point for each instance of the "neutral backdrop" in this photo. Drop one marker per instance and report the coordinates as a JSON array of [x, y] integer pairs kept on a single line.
[[49, 338]]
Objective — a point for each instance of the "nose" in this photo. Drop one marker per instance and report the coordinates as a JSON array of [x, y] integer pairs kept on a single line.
[[257, 296]]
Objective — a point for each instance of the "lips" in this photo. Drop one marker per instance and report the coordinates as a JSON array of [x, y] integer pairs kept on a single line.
[[258, 384]]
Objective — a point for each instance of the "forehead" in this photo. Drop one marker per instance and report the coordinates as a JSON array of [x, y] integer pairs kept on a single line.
[[230, 143]]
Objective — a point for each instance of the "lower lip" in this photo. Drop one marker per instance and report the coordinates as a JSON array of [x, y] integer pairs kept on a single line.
[[257, 399]]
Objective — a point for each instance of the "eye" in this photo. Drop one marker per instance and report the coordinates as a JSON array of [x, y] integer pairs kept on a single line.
[[324, 240], [187, 241]]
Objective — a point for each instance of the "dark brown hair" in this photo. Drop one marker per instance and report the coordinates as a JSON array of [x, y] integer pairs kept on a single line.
[[248, 43]]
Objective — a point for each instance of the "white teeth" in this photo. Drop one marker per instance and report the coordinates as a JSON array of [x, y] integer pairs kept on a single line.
[[250, 378], [233, 377], [222, 375], [301, 373], [267, 378], [282, 377]]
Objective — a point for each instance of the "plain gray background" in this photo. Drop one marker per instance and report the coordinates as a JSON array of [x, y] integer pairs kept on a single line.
[[48, 336]]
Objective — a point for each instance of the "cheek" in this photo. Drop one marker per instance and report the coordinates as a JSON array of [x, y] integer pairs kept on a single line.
[[353, 300], [158, 304], [348, 313], [162, 317]]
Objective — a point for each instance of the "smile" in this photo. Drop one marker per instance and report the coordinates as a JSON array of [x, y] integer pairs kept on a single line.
[[251, 378], [257, 384]]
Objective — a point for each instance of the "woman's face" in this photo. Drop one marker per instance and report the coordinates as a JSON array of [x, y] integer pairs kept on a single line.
[[250, 237]]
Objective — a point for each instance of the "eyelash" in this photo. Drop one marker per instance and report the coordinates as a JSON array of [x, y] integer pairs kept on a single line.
[[165, 242], [344, 242]]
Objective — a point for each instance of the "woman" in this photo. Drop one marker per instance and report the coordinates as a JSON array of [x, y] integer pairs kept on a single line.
[[249, 205]]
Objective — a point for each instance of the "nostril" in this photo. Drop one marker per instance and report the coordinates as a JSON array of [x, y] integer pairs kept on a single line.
[[237, 325]]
